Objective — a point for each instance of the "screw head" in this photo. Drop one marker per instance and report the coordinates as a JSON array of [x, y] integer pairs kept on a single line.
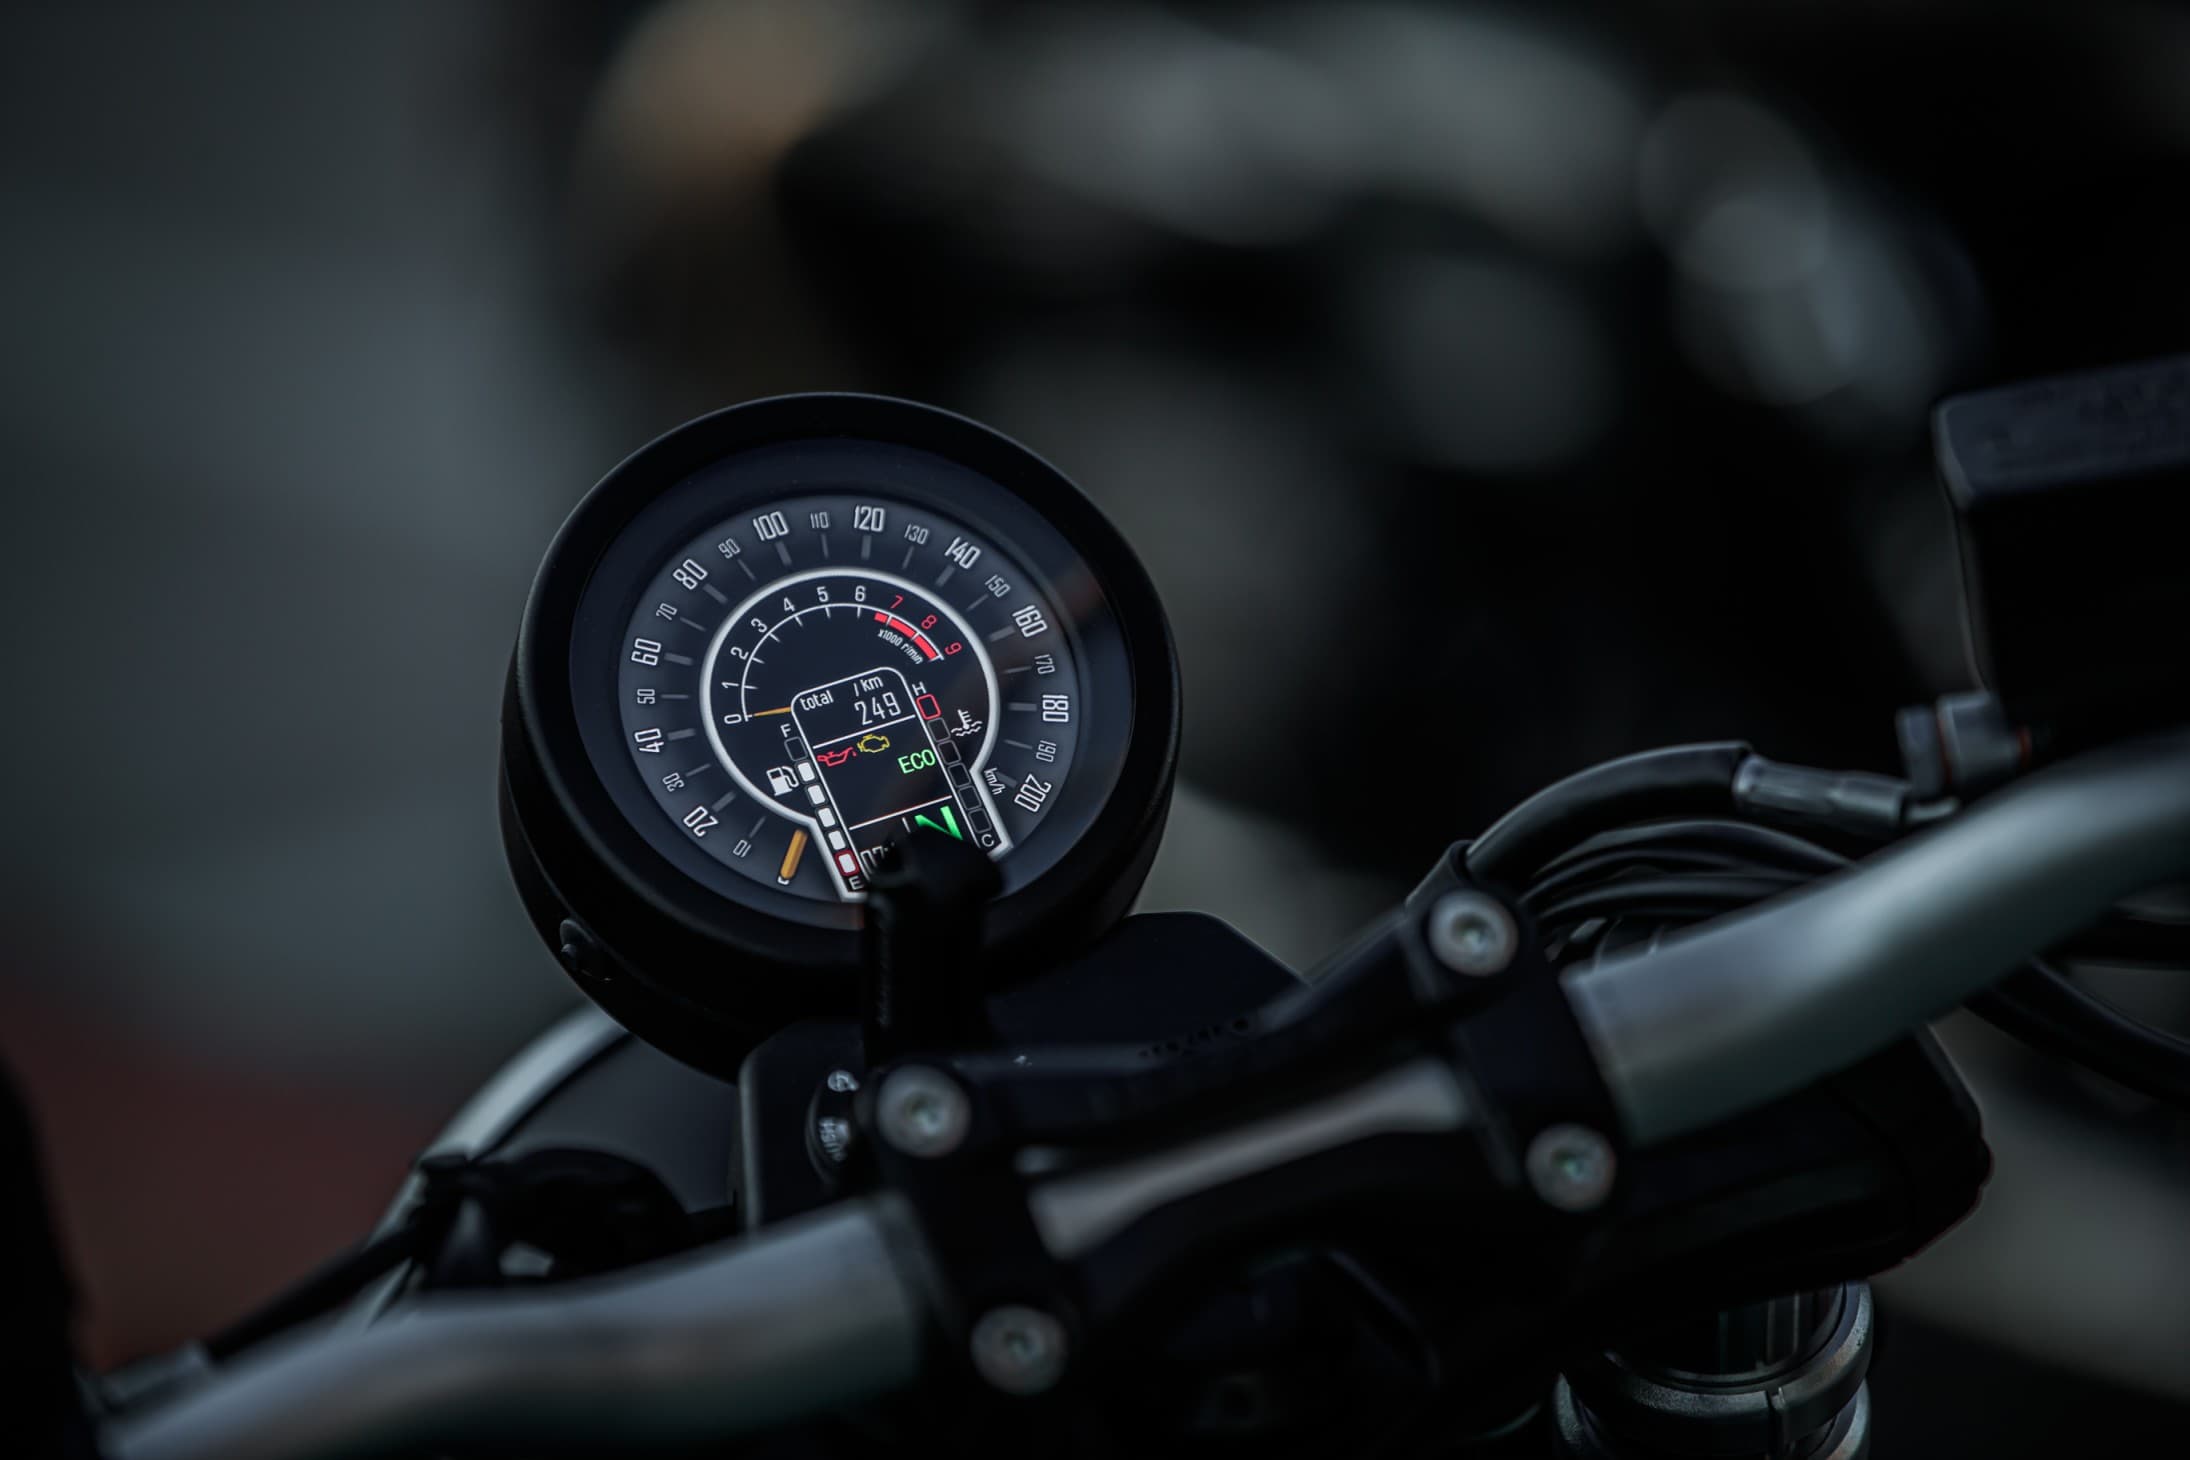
[[1571, 1167], [843, 1082], [833, 1134], [1471, 933], [923, 1112], [1019, 1350]]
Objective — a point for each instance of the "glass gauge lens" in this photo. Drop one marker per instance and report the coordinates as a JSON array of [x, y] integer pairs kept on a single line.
[[806, 680]]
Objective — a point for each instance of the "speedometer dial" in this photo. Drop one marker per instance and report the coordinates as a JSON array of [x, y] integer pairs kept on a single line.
[[825, 672], [786, 635]]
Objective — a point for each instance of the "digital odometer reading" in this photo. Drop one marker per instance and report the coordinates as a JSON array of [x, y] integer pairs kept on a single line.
[[823, 674], [877, 760]]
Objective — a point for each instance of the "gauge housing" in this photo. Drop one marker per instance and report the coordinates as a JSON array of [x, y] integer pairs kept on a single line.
[[678, 949]]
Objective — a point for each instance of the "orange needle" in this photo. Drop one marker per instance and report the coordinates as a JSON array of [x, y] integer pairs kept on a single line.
[[790, 857]]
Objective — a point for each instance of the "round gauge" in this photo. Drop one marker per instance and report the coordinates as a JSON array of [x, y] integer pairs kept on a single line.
[[787, 635], [828, 670]]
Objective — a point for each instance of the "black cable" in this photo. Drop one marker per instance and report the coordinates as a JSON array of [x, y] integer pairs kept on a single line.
[[1711, 846], [1707, 846], [1572, 876], [1673, 895], [1740, 841], [1682, 780]]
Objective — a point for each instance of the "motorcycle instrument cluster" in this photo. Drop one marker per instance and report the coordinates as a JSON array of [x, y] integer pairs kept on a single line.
[[788, 634]]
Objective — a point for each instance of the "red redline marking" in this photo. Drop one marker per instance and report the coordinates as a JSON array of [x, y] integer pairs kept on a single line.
[[909, 632]]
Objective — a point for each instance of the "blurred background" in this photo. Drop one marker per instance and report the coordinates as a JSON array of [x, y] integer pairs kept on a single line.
[[1574, 360]]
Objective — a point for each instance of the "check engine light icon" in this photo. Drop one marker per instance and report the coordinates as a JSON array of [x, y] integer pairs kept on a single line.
[[867, 744]]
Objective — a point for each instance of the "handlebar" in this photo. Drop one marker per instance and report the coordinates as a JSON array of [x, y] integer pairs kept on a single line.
[[831, 1309], [1746, 1008], [820, 1312]]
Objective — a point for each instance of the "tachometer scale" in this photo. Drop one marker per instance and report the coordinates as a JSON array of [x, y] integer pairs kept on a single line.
[[830, 670], [788, 634]]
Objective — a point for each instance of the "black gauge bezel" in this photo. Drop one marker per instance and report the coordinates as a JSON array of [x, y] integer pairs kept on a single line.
[[702, 974]]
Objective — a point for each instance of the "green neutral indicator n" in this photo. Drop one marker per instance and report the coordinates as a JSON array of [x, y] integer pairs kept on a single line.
[[949, 822]]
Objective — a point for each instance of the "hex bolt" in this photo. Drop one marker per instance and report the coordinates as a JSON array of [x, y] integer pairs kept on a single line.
[[1571, 1167], [922, 1111], [1472, 933], [1019, 1350]]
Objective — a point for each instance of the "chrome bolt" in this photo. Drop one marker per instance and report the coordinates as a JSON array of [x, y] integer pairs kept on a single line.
[[1472, 934], [1571, 1167], [843, 1082], [922, 1112], [1019, 1350]]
